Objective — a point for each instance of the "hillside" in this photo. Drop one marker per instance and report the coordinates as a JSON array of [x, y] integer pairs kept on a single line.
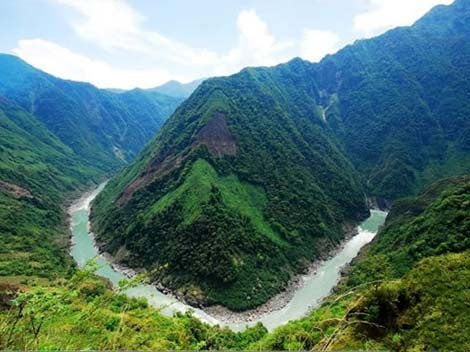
[[107, 129], [399, 102], [232, 190], [433, 223], [57, 138], [407, 291], [260, 170], [36, 171], [425, 309]]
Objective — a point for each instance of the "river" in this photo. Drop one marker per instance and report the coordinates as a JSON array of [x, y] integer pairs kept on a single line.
[[313, 289]]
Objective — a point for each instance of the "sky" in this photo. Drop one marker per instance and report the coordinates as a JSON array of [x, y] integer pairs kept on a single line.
[[145, 43]]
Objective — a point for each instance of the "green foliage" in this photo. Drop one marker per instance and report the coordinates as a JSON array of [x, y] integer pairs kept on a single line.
[[36, 171], [426, 310], [402, 102], [436, 222], [107, 129], [85, 314], [395, 107], [57, 138], [387, 115]]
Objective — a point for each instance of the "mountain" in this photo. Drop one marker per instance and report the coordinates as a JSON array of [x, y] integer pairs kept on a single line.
[[256, 174], [425, 310], [435, 222], [177, 89], [407, 291], [36, 171], [399, 102], [105, 128]]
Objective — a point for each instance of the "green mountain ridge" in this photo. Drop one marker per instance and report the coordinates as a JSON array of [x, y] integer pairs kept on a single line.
[[36, 171], [424, 309], [406, 291], [313, 139], [399, 102], [207, 184], [215, 136], [435, 222], [107, 129]]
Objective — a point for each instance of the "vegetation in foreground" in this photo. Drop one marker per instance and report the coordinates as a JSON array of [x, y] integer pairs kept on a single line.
[[426, 309]]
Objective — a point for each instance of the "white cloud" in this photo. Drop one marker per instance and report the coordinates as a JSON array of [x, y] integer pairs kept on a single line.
[[386, 14], [256, 46], [118, 29], [317, 43], [115, 25], [64, 63]]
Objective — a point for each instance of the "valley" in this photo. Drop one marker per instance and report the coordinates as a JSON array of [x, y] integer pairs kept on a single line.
[[240, 211]]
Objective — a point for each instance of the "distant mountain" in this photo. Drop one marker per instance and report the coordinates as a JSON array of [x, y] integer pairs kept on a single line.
[[256, 174], [107, 129], [177, 89]]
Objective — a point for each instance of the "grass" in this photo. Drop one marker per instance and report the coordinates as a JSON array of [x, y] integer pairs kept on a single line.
[[248, 200]]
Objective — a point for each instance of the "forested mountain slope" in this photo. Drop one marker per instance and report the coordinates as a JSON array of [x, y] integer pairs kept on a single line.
[[231, 191], [400, 102], [424, 310], [254, 175], [36, 171], [57, 138], [433, 223], [108, 129], [408, 291]]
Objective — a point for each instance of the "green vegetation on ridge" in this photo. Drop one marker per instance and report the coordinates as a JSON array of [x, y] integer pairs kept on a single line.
[[436, 222], [405, 292], [36, 171], [58, 137], [399, 112]]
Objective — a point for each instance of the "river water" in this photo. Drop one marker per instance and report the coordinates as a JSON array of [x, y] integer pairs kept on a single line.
[[314, 288]]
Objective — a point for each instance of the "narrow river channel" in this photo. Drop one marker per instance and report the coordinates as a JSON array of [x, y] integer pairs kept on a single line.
[[313, 289]]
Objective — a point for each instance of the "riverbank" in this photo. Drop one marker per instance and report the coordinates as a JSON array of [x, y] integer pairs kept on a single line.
[[282, 299]]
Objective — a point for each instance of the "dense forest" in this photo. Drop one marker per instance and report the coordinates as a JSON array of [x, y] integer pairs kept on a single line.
[[285, 157], [282, 186], [407, 291]]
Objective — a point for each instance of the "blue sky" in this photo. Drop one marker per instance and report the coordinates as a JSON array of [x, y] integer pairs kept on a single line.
[[144, 43]]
